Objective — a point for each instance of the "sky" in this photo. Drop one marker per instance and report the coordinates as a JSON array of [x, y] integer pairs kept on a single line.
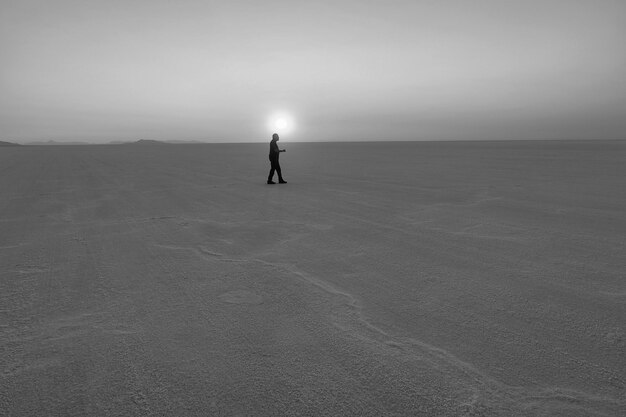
[[236, 71]]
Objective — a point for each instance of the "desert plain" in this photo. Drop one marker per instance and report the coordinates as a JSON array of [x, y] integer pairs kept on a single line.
[[385, 279]]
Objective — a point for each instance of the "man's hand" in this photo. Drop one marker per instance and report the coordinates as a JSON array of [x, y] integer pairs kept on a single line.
[[283, 150]]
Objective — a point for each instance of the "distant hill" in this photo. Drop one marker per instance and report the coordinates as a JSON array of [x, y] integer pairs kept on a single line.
[[9, 144], [53, 142], [183, 141], [154, 142], [146, 142]]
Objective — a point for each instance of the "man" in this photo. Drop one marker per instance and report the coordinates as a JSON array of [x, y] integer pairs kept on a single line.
[[274, 152]]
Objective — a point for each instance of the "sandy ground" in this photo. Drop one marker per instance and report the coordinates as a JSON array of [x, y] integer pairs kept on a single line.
[[434, 279]]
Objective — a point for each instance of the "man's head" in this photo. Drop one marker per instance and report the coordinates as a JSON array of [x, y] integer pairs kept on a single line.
[[275, 136]]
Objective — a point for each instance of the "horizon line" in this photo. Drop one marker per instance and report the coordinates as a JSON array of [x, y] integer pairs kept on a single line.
[[53, 142]]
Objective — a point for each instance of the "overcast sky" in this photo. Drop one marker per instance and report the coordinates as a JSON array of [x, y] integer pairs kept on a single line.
[[101, 70]]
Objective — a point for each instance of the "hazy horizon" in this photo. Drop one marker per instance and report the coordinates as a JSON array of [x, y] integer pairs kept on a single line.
[[227, 72], [250, 142]]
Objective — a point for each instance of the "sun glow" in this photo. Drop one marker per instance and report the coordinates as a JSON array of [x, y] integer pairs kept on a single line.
[[281, 123]]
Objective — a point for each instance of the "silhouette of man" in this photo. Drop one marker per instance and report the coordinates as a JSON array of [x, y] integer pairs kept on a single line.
[[274, 152]]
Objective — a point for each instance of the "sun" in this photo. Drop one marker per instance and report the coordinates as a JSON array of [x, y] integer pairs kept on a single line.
[[281, 122]]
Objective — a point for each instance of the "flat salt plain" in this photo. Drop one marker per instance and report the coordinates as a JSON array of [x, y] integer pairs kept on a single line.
[[424, 278]]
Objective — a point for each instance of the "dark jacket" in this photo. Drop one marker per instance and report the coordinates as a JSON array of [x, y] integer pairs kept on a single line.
[[274, 151]]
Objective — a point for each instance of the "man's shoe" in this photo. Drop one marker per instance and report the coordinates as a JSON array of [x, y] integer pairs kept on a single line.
[[270, 182], [282, 182]]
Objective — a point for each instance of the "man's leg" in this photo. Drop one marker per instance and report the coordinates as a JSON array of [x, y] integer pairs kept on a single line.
[[272, 169], [280, 175]]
